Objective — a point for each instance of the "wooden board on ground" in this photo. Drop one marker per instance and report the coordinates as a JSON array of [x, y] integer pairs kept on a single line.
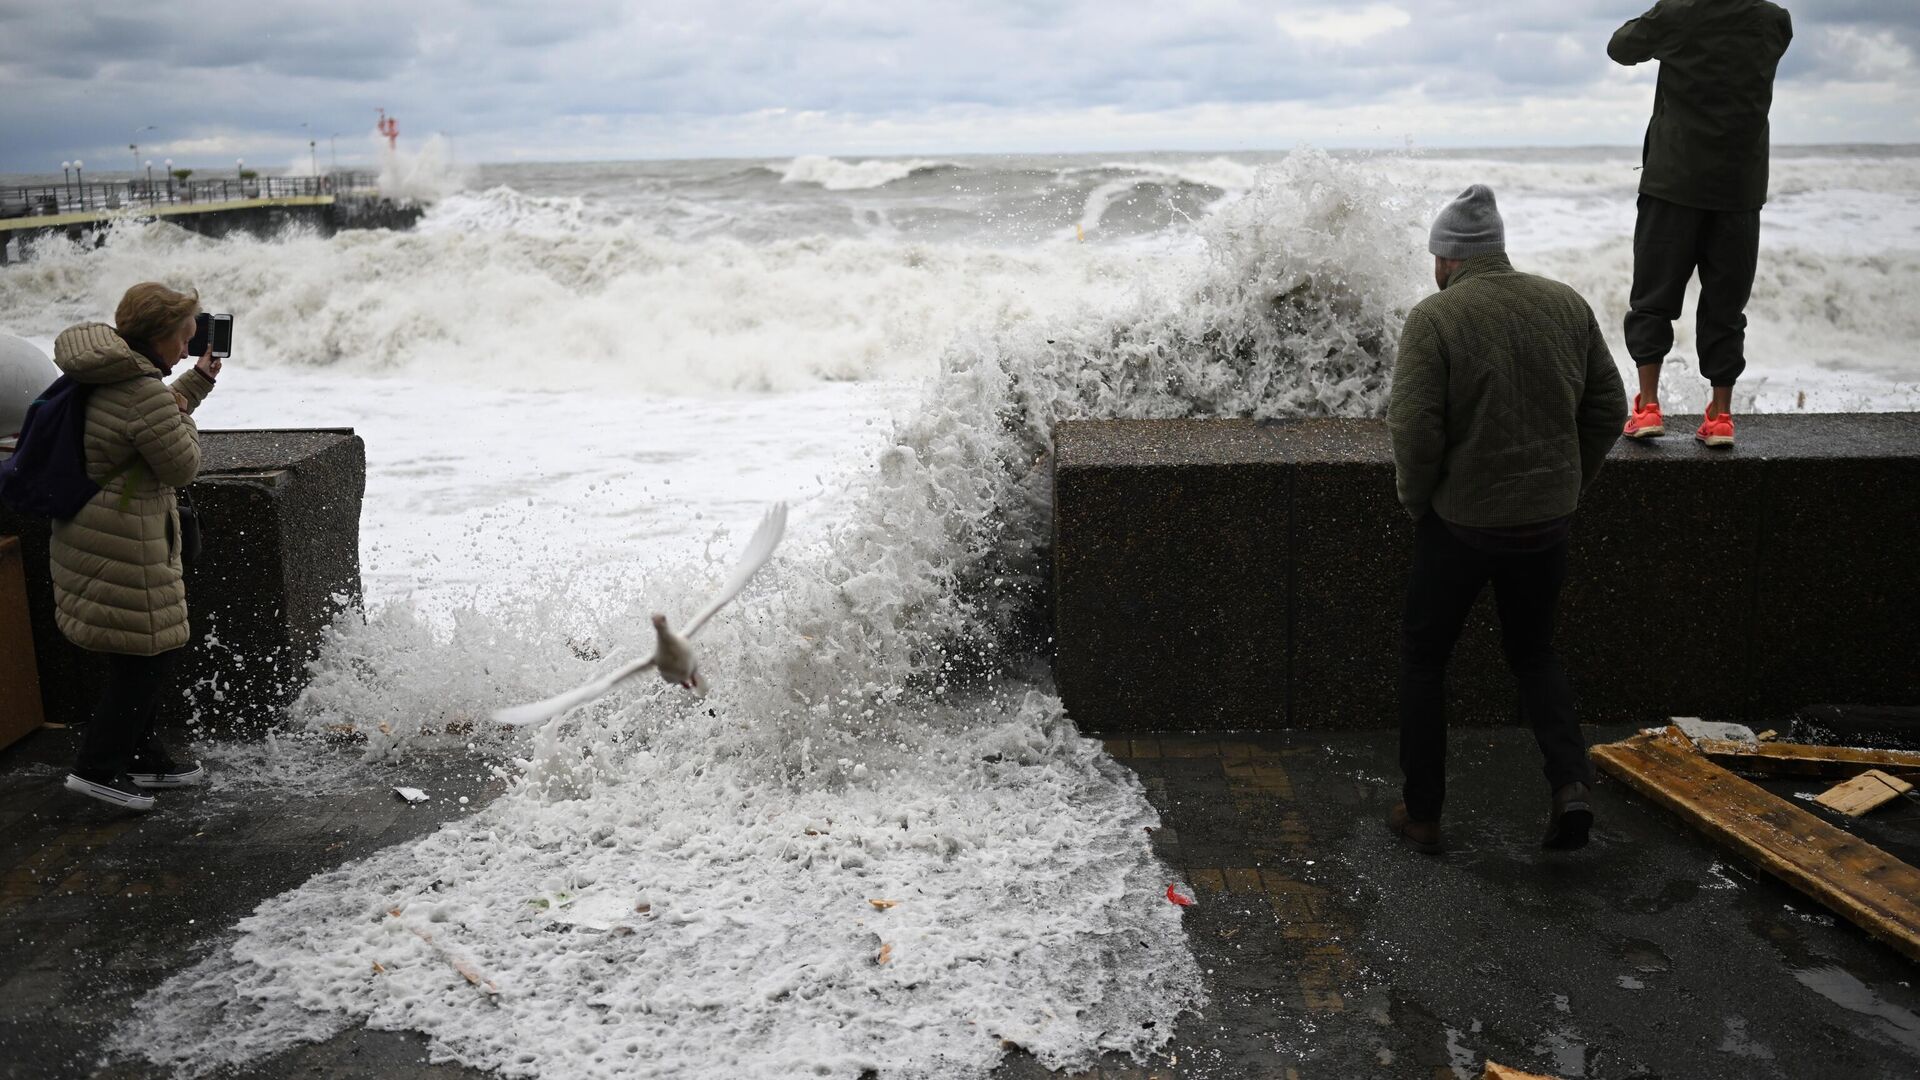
[[1796, 759], [20, 708], [1501, 1072], [1863, 793], [1857, 880]]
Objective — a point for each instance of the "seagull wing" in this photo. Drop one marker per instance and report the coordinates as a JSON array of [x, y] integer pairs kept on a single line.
[[759, 550], [522, 715]]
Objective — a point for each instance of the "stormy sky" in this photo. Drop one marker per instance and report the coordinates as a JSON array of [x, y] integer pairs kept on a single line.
[[509, 80]]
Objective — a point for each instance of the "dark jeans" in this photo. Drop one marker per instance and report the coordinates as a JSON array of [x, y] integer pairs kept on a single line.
[[1448, 574], [122, 725], [1670, 242]]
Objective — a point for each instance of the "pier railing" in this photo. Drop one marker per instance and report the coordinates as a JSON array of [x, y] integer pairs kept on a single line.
[[73, 198]]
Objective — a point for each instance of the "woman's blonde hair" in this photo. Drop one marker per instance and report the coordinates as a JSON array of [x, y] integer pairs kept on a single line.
[[150, 309]]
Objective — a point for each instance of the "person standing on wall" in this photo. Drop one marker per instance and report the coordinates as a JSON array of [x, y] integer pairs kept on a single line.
[[1505, 402], [1703, 180], [118, 577]]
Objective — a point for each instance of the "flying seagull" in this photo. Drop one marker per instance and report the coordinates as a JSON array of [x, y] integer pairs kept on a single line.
[[672, 655]]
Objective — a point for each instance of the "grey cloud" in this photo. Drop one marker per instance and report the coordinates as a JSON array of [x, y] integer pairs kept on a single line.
[[504, 66]]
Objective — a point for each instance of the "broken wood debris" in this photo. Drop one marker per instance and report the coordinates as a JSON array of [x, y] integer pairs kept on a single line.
[[460, 966], [1862, 793], [1855, 879], [1495, 1071], [1798, 759]]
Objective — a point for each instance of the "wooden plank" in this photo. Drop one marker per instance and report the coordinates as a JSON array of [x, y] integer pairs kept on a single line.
[[1863, 793], [1795, 759], [1855, 879], [1496, 1071], [20, 705]]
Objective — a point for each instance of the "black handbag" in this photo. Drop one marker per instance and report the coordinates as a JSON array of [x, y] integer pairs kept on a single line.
[[189, 530]]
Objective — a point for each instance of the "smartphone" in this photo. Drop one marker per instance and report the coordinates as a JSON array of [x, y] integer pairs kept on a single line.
[[220, 336], [211, 331]]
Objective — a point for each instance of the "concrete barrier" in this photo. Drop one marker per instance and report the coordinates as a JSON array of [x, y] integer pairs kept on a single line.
[[281, 513], [1247, 575]]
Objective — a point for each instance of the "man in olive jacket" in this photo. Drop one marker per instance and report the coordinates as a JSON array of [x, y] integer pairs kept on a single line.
[[1505, 403], [1702, 183]]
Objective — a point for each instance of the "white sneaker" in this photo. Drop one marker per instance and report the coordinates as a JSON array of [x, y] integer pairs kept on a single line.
[[166, 774], [119, 791]]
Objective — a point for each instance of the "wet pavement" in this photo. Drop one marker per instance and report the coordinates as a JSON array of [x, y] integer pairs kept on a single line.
[[1330, 950]]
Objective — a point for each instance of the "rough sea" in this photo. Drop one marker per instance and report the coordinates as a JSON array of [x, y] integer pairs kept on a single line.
[[579, 386]]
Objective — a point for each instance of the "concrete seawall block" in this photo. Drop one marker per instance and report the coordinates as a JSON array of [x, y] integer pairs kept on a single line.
[[1165, 598], [281, 513], [1839, 555], [1741, 584]]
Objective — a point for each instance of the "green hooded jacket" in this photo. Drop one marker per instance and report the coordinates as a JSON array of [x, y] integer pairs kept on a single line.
[[1706, 146], [1505, 399]]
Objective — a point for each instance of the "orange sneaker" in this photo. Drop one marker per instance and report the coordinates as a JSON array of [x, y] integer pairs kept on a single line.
[[1645, 423], [1716, 430]]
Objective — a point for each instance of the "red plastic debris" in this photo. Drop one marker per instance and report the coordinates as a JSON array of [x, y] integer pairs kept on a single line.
[[1183, 901]]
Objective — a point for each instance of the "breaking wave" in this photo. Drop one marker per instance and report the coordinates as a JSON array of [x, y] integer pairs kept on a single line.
[[836, 175], [496, 281], [697, 278], [683, 888]]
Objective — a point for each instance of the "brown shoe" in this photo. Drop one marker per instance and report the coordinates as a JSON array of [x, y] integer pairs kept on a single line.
[[1571, 819], [1423, 835]]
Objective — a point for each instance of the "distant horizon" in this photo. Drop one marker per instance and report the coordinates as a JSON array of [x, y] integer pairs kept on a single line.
[[363, 163]]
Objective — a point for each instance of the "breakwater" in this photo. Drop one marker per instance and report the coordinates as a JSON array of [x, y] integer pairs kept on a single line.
[[263, 208]]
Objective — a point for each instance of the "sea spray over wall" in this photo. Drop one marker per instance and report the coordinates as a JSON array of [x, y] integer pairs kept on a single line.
[[679, 887], [422, 176]]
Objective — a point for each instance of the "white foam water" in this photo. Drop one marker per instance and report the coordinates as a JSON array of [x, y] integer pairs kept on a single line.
[[879, 731]]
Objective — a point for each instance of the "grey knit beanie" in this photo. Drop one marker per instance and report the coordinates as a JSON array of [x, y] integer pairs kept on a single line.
[[1469, 225]]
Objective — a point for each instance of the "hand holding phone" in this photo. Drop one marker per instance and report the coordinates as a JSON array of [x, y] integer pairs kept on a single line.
[[212, 334], [212, 342]]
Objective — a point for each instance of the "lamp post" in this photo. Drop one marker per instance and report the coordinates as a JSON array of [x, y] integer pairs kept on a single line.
[[313, 153], [149, 181], [80, 182], [168, 165], [134, 146]]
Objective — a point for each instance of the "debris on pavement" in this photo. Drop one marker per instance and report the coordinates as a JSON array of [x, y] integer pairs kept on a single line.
[[460, 966], [1501, 1072], [1800, 759], [1856, 880], [1697, 728], [1868, 791], [411, 794], [1183, 901]]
